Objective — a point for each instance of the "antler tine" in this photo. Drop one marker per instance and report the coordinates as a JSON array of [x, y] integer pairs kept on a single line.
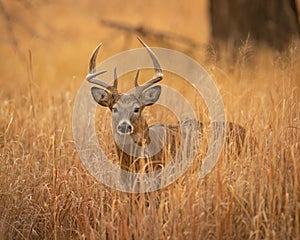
[[93, 59], [91, 78], [158, 75], [115, 78], [92, 72], [136, 84]]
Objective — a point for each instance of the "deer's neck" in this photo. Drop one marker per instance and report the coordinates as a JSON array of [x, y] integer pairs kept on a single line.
[[140, 134]]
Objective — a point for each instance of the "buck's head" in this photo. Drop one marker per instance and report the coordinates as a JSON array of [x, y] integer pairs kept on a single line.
[[126, 108]]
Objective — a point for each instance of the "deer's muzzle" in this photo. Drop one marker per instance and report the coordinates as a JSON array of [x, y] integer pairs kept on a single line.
[[124, 128]]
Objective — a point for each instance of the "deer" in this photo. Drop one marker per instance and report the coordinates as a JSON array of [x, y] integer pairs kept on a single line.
[[139, 146], [136, 142]]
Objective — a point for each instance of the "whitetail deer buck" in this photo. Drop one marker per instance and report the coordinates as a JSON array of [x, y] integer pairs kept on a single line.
[[138, 145], [135, 140]]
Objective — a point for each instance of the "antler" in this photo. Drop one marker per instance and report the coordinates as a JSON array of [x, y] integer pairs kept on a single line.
[[91, 77], [158, 75]]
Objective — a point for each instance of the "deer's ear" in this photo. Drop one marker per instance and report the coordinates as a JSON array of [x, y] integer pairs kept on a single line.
[[101, 96], [151, 95]]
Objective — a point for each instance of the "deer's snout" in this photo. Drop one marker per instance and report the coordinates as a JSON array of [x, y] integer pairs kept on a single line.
[[124, 128]]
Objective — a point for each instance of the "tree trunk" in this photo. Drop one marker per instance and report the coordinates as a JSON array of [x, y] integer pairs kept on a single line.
[[273, 22]]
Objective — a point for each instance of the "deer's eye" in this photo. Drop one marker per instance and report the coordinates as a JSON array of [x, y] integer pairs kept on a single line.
[[115, 110], [136, 110]]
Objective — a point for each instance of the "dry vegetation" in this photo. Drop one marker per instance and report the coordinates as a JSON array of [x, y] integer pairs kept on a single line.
[[45, 192]]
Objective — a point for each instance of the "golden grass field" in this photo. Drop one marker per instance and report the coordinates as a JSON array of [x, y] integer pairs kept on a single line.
[[45, 191]]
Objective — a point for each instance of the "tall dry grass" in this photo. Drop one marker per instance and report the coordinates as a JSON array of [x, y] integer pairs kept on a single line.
[[46, 193]]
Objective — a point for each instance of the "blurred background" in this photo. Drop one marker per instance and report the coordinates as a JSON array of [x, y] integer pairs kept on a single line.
[[59, 36]]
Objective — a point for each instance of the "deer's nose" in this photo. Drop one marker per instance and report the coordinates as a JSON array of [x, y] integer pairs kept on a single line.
[[125, 128]]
